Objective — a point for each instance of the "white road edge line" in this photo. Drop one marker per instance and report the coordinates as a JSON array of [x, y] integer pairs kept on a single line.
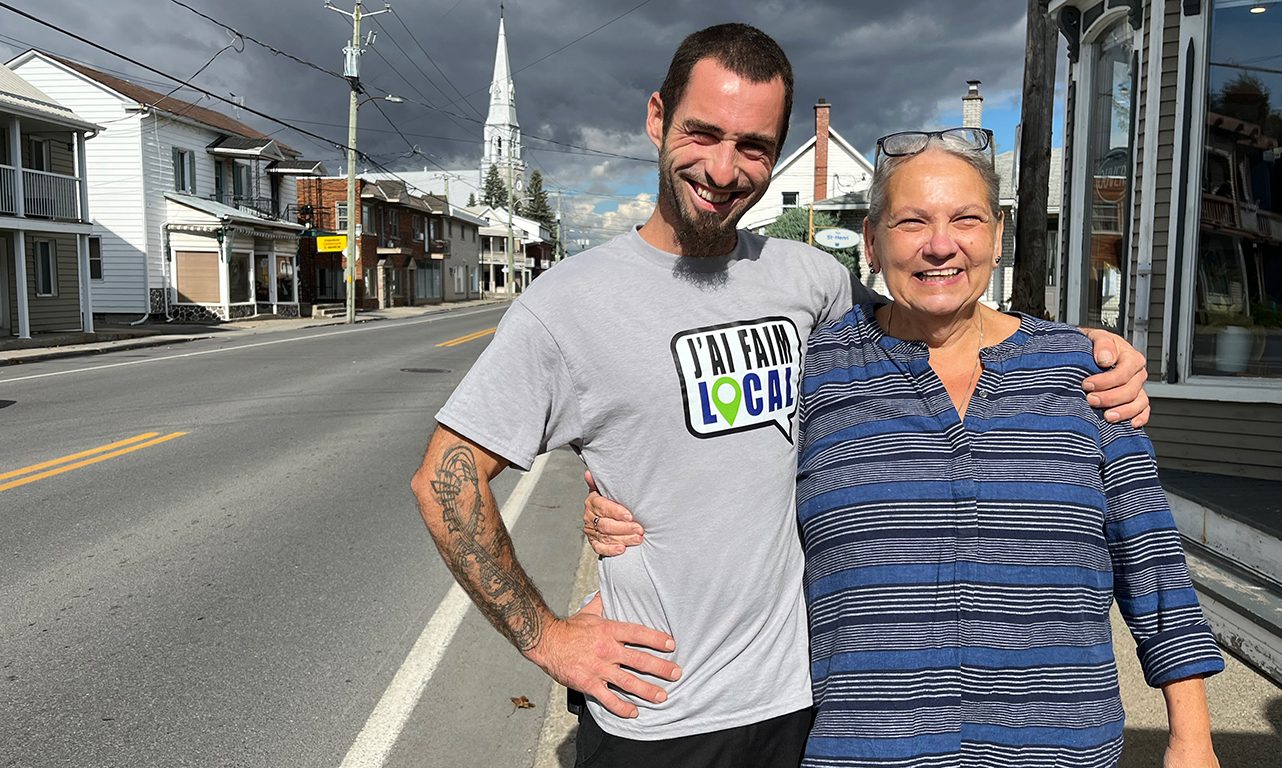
[[362, 329], [375, 741]]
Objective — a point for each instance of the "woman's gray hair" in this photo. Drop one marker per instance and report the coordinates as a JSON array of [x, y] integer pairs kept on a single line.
[[979, 159]]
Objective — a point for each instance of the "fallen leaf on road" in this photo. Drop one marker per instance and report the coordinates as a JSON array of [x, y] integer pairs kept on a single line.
[[520, 702]]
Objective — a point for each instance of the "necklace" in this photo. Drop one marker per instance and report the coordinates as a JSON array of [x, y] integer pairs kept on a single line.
[[974, 374]]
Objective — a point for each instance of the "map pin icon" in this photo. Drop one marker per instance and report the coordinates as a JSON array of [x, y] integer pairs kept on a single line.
[[727, 406]]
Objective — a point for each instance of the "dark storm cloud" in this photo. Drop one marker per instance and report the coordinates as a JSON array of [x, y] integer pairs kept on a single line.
[[883, 66]]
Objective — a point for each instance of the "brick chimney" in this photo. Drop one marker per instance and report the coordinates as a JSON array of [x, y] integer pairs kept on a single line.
[[972, 106], [821, 150]]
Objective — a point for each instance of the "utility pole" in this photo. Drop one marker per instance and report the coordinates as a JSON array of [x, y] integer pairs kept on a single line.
[[511, 244], [1029, 292], [560, 249], [352, 71]]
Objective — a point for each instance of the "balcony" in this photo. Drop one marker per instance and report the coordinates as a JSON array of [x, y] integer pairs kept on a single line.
[[44, 195], [262, 207], [1240, 217]]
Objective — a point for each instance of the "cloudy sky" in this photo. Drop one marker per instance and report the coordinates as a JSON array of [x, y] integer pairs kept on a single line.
[[584, 69]]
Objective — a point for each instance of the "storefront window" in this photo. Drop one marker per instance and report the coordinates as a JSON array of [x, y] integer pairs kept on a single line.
[[1108, 164], [1238, 300], [238, 278], [262, 278], [284, 278]]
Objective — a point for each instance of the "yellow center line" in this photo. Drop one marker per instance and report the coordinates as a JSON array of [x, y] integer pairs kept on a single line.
[[467, 338], [81, 455], [94, 460]]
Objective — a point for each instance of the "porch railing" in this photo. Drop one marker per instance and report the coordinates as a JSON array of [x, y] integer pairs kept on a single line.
[[262, 207], [44, 195], [8, 190]]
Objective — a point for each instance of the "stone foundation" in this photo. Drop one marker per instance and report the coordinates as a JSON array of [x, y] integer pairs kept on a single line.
[[242, 311], [196, 313], [288, 310], [156, 301]]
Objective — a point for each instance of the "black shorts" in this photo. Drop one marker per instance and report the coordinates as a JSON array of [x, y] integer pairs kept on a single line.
[[775, 743]]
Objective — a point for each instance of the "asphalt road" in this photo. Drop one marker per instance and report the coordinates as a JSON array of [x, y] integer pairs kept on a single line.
[[241, 587], [242, 578]]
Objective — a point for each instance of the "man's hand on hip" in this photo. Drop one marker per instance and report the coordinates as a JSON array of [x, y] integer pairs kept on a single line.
[[590, 653]]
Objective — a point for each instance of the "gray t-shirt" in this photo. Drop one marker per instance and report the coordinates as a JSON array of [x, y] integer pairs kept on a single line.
[[677, 380]]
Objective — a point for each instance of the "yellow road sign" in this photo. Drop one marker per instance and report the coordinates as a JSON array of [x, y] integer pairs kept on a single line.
[[331, 243]]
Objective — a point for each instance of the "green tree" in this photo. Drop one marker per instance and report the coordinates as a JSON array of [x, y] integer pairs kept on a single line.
[[471, 199], [794, 224], [495, 193], [536, 202]]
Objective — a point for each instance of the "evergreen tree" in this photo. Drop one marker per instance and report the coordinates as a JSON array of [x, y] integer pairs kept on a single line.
[[794, 224], [471, 199], [495, 193], [536, 202]]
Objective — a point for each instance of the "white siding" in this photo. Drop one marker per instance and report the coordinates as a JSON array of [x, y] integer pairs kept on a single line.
[[845, 174], [160, 135], [115, 184]]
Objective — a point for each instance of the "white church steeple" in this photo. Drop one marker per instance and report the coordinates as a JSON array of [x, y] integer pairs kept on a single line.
[[502, 131]]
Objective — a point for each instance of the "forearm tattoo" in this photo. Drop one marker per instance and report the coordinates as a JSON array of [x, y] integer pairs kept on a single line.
[[481, 556]]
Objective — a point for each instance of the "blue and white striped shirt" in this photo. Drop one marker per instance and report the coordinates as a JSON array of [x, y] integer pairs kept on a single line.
[[959, 576]]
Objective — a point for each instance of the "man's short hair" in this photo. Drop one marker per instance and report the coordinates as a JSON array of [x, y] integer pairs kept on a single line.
[[742, 49]]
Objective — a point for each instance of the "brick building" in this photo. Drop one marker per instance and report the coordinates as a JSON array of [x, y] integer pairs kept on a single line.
[[411, 249]]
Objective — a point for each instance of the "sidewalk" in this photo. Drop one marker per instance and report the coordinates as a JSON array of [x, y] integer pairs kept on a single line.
[[1246, 707], [113, 338]]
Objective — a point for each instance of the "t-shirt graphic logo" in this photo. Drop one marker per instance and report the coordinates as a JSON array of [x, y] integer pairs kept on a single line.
[[739, 376]]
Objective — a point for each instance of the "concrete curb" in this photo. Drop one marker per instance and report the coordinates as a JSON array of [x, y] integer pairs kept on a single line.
[[556, 740], [42, 354], [95, 348]]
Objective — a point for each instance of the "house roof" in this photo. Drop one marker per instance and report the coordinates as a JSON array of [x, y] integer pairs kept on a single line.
[[394, 192], [239, 146], [443, 207], [226, 212], [834, 137], [149, 98], [498, 217], [851, 201], [1005, 163], [17, 95], [297, 168]]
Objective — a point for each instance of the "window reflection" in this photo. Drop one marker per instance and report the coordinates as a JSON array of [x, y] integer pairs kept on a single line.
[[1238, 323], [1109, 165], [238, 278]]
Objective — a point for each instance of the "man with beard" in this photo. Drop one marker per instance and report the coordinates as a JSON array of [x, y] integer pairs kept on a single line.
[[669, 358]]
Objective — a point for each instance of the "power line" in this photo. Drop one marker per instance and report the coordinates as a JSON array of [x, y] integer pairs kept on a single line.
[[446, 77], [426, 103], [198, 89], [275, 51], [583, 36], [412, 63], [567, 45]]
